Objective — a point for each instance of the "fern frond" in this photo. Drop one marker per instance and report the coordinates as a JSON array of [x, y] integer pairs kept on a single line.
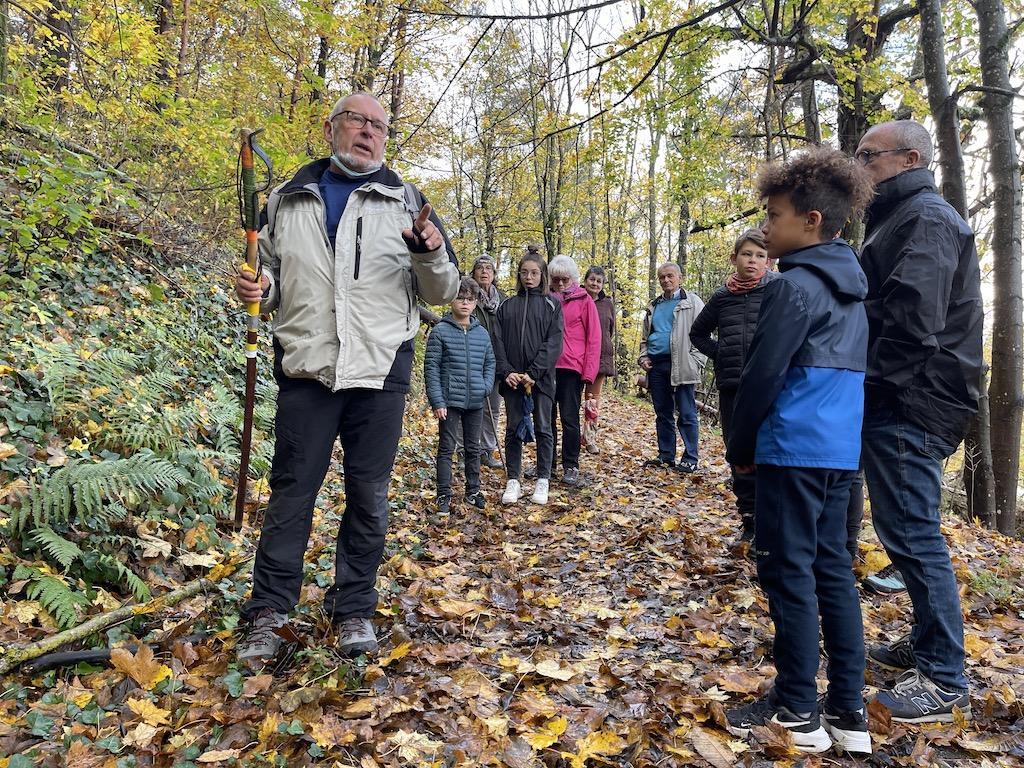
[[59, 600], [137, 586], [56, 546]]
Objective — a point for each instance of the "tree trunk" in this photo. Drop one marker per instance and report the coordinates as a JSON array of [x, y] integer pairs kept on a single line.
[[398, 76], [179, 78], [809, 99], [163, 22], [3, 47], [57, 51], [652, 213], [322, 56], [1005, 392], [684, 232], [979, 481]]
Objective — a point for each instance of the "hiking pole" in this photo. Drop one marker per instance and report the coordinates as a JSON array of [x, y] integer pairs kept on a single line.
[[248, 209]]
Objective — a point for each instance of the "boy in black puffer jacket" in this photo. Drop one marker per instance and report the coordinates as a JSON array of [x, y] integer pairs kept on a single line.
[[731, 313], [458, 371]]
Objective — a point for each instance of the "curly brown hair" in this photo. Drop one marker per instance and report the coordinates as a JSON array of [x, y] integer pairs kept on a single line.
[[819, 179]]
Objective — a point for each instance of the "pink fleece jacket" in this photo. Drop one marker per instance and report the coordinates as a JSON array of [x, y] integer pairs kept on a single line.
[[581, 337]]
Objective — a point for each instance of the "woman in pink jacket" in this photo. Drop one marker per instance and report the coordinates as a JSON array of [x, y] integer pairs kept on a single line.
[[577, 366]]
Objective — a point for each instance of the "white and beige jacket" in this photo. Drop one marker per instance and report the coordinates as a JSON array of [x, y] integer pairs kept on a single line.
[[347, 317]]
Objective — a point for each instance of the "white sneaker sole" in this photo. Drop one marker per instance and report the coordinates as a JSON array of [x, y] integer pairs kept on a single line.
[[854, 742], [816, 741]]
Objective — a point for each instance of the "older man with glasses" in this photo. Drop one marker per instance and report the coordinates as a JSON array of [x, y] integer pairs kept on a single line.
[[921, 390], [347, 249]]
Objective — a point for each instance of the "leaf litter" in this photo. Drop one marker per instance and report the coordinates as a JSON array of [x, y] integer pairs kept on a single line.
[[611, 627]]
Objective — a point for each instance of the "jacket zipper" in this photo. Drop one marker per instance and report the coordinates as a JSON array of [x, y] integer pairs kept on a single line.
[[465, 335], [359, 246]]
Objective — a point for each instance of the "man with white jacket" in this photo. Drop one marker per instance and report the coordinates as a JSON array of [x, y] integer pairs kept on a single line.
[[344, 263]]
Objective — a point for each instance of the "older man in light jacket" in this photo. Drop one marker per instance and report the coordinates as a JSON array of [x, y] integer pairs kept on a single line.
[[673, 368], [347, 249]]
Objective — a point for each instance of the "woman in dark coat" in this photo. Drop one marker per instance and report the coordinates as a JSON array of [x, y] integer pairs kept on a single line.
[[593, 281]]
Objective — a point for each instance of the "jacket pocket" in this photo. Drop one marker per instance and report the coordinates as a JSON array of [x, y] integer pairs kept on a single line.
[[359, 247]]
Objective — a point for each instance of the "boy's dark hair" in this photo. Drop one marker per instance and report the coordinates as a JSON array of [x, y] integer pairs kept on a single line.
[[755, 236], [533, 254], [468, 289], [819, 179]]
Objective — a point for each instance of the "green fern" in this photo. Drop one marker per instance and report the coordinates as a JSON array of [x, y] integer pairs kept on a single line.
[[59, 600], [135, 584], [56, 546]]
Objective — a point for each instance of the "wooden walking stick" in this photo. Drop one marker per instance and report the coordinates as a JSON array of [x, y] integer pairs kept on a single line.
[[248, 206]]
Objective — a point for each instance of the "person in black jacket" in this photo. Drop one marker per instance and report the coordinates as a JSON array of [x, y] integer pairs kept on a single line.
[[797, 416], [527, 343], [731, 314], [925, 319]]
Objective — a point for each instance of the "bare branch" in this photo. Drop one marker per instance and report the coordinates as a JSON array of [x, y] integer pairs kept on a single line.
[[511, 16]]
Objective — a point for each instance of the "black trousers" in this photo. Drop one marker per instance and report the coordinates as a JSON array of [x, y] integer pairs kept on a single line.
[[542, 433], [460, 426], [744, 486], [566, 406], [309, 419]]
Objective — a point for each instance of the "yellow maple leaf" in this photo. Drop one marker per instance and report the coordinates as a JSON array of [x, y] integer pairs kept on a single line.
[[599, 744], [399, 652], [547, 735], [142, 667], [149, 712]]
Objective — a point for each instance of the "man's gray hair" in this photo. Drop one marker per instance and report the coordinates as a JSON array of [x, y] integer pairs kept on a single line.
[[339, 105], [672, 265], [912, 135], [564, 266]]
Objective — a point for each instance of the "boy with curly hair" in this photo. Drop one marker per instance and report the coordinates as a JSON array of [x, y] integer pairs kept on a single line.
[[797, 417]]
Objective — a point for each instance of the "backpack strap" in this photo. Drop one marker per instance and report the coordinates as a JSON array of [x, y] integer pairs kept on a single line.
[[413, 198]]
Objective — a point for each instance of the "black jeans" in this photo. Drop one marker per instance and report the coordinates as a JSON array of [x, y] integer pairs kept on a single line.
[[465, 424], [744, 486], [542, 431], [804, 568], [566, 406], [309, 419], [855, 514]]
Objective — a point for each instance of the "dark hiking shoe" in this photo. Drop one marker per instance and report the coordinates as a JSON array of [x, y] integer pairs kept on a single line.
[[477, 500], [848, 729], [492, 461], [916, 699], [530, 471], [571, 477], [262, 641], [444, 504], [809, 734], [355, 636], [886, 582], [686, 467], [659, 463], [898, 655]]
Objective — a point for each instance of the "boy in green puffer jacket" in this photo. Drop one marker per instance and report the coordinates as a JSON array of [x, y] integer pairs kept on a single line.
[[458, 371]]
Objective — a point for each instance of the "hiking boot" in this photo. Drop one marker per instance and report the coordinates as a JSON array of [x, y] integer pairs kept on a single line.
[[809, 734], [261, 642], [916, 699], [512, 492], [886, 582], [355, 636], [898, 655], [477, 500], [490, 460], [444, 504], [848, 729], [540, 492], [686, 467], [571, 477]]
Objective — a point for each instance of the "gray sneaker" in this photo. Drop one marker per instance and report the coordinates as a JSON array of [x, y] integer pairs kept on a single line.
[[897, 655], [355, 636], [262, 642], [571, 477]]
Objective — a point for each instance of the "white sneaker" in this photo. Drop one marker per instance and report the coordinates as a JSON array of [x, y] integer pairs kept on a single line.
[[540, 492], [512, 492]]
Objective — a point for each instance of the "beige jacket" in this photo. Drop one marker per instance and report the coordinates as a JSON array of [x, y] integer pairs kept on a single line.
[[347, 318], [687, 362]]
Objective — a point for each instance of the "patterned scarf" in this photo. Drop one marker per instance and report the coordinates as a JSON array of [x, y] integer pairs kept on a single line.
[[737, 285], [489, 299]]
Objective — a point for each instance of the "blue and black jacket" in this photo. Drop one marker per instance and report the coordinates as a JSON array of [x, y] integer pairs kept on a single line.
[[801, 396]]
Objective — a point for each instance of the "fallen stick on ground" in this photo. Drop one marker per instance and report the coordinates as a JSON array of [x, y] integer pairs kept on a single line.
[[12, 657]]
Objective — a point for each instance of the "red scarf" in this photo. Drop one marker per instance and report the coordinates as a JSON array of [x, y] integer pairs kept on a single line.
[[737, 285]]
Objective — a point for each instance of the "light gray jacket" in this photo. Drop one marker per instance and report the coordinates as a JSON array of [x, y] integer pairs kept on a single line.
[[687, 362], [347, 317]]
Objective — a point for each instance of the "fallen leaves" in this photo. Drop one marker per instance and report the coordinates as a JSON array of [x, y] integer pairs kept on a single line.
[[141, 666]]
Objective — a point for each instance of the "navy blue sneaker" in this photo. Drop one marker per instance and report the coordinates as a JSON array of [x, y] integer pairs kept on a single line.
[[916, 699]]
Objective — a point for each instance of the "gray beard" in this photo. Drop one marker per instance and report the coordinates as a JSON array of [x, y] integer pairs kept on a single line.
[[359, 166]]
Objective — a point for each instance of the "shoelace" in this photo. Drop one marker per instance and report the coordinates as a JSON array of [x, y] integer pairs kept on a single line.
[[909, 684], [261, 634], [353, 624]]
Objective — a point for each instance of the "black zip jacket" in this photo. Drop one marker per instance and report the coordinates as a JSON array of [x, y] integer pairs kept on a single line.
[[924, 306], [734, 317], [528, 339]]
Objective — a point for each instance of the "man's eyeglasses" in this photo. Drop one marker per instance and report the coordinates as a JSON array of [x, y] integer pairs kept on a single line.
[[865, 156], [356, 120]]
